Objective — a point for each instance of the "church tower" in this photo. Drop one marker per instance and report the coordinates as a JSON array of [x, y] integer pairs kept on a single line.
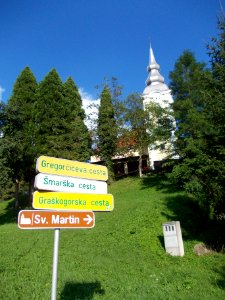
[[156, 91]]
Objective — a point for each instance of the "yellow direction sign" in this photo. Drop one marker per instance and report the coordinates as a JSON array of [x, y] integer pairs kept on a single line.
[[73, 201], [59, 166]]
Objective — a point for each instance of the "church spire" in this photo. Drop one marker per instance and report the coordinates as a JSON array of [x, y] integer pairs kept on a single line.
[[154, 76], [151, 56]]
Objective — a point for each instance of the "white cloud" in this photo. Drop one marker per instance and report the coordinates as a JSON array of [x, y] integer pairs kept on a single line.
[[90, 105], [2, 90], [87, 99]]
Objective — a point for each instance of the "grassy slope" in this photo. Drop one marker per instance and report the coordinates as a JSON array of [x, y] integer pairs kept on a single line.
[[123, 257]]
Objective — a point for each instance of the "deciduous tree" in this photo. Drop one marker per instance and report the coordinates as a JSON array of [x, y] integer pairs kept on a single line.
[[201, 131], [148, 127]]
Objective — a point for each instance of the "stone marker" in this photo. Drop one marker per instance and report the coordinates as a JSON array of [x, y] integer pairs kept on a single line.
[[173, 238]]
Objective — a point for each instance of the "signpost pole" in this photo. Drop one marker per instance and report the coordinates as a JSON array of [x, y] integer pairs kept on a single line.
[[55, 264]]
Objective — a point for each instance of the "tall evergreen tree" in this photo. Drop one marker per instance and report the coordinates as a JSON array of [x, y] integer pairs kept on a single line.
[[50, 115], [107, 129], [118, 107], [6, 174], [76, 139], [18, 144], [59, 118]]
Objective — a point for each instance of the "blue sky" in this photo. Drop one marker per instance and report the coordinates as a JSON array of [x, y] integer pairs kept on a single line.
[[93, 39]]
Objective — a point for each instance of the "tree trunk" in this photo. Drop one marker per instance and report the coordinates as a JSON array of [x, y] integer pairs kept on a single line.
[[140, 166], [30, 195], [17, 190]]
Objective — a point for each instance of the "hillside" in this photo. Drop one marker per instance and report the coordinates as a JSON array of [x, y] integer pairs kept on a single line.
[[122, 257]]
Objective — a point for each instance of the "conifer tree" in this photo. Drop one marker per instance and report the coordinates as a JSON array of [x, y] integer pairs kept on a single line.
[[50, 115], [6, 183], [18, 142], [77, 141], [106, 130], [59, 118]]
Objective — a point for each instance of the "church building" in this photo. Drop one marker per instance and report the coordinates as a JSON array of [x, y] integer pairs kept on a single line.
[[156, 91]]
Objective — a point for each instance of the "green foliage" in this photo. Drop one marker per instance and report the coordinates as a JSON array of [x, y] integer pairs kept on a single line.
[[18, 131], [59, 119], [134, 135], [17, 145], [200, 113], [76, 140], [186, 77], [116, 93], [107, 129], [144, 127], [50, 115], [6, 183], [187, 84], [39, 119], [160, 126]]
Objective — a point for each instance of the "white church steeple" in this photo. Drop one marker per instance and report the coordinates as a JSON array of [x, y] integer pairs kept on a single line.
[[154, 76], [155, 81], [156, 91]]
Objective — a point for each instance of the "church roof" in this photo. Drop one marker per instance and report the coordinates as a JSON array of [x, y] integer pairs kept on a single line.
[[155, 81]]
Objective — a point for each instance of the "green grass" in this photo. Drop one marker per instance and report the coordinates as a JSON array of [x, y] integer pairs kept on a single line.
[[122, 257]]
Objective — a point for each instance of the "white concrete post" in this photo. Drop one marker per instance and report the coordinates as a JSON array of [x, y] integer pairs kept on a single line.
[[173, 238]]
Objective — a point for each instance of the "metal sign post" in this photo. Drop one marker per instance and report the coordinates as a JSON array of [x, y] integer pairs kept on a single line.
[[55, 264], [69, 193]]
